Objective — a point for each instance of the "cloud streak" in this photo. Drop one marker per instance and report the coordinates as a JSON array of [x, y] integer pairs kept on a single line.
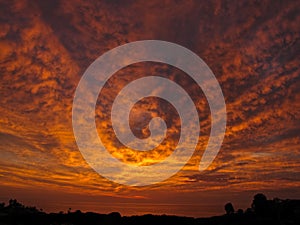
[[252, 48]]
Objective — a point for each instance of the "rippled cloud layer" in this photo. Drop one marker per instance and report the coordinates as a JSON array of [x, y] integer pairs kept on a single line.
[[252, 48]]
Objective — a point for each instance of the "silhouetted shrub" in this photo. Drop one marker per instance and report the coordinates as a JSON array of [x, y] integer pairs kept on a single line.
[[229, 208], [260, 204]]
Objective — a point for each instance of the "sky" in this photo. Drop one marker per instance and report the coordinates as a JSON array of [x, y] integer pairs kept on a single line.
[[253, 49]]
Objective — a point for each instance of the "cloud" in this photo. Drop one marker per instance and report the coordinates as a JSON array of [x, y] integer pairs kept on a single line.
[[251, 47]]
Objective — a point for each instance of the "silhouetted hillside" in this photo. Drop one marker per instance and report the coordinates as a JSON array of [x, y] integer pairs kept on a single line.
[[262, 211]]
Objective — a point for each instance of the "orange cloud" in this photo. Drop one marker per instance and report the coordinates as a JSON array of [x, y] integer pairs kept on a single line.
[[252, 48]]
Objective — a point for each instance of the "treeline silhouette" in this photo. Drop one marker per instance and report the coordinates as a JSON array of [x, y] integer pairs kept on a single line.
[[261, 212]]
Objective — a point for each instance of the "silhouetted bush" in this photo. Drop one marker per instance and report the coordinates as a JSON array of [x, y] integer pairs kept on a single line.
[[263, 211], [229, 208], [260, 204]]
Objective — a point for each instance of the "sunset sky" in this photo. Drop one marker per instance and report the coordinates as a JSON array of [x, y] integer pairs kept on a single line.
[[253, 49]]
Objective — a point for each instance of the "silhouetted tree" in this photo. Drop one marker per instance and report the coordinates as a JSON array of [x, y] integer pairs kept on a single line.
[[249, 211], [78, 211], [229, 208], [240, 211], [13, 203], [260, 204], [115, 217], [274, 212]]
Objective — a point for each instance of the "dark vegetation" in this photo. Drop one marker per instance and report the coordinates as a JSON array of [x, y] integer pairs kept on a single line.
[[262, 211]]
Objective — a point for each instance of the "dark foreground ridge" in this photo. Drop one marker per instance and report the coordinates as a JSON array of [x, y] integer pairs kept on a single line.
[[262, 211]]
